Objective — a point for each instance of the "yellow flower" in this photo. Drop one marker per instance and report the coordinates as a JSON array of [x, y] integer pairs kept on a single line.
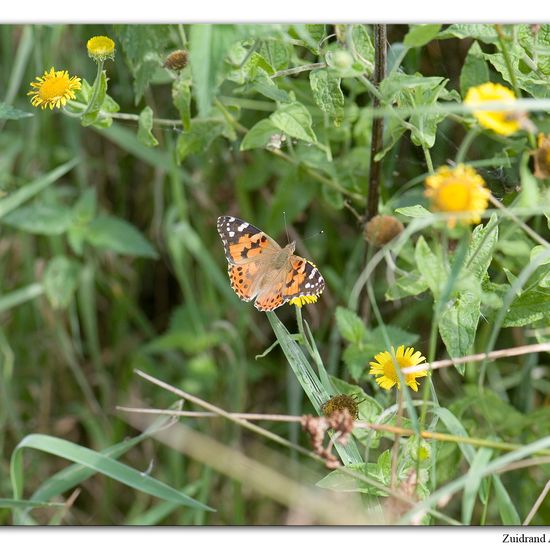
[[53, 89], [299, 301], [501, 122], [101, 48], [384, 370], [459, 189]]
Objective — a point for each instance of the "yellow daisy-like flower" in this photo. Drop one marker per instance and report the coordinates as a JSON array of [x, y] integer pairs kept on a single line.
[[501, 122], [101, 48], [301, 300], [459, 189], [384, 370], [53, 89]]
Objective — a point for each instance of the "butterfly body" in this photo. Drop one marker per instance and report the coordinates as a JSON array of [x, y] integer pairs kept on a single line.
[[262, 270]]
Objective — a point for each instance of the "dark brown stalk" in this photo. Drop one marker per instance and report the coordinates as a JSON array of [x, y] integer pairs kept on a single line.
[[378, 123]]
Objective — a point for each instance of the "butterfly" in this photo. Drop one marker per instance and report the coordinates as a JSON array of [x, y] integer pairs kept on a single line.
[[259, 268]]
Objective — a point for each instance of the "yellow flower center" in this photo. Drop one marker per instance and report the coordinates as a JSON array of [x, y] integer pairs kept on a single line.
[[453, 197], [55, 87]]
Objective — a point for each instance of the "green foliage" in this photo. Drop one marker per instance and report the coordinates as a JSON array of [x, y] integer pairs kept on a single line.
[[265, 120]]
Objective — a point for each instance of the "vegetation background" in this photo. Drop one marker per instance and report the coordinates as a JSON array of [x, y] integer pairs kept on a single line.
[[110, 262]]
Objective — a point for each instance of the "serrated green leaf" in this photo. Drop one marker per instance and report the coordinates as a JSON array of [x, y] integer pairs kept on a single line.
[[350, 325], [7, 112], [110, 233], [475, 70], [419, 35], [458, 324], [277, 53], [208, 46], [327, 94], [259, 135], [531, 306], [145, 125], [144, 47], [41, 219], [362, 44], [481, 248], [294, 120], [60, 281]]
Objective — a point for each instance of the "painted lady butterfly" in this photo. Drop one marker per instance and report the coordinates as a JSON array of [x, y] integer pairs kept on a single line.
[[259, 268]]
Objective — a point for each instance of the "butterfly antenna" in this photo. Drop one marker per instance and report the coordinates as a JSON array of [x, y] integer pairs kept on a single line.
[[286, 227]]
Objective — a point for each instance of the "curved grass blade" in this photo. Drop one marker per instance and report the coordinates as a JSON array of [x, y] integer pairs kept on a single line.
[[25, 504], [99, 463]]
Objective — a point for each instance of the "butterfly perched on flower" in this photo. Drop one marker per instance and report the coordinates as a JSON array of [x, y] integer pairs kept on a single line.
[[259, 268]]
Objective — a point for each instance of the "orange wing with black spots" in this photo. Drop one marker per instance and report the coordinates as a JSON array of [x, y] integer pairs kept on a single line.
[[271, 299], [242, 241], [302, 279], [242, 280]]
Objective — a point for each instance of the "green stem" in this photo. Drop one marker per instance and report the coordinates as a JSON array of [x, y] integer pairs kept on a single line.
[[428, 158], [465, 145], [95, 90]]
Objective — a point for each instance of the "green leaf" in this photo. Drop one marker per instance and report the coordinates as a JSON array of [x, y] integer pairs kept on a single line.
[[529, 196], [7, 112], [144, 47], [473, 483], [410, 284], [20, 296], [41, 219], [458, 324], [363, 45], [110, 233], [181, 95], [208, 46], [416, 211], [475, 70], [277, 53], [483, 33], [327, 94], [144, 134], [60, 281], [295, 121], [199, 138], [16, 199], [531, 306], [481, 248], [13, 503], [259, 136], [99, 463], [266, 86], [430, 267], [419, 35], [93, 103], [350, 325]]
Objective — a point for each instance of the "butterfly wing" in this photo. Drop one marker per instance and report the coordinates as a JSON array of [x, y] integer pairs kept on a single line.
[[243, 243], [302, 279]]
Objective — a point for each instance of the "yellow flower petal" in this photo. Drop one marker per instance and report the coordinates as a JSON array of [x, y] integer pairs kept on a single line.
[[458, 190], [501, 122], [53, 89]]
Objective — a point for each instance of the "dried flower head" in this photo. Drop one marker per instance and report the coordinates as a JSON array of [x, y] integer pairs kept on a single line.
[[53, 89], [458, 190], [177, 60], [101, 48], [380, 230], [341, 402], [384, 367], [542, 157], [501, 122]]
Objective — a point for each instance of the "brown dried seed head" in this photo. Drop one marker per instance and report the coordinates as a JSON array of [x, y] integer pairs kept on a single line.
[[380, 230], [177, 60], [339, 403]]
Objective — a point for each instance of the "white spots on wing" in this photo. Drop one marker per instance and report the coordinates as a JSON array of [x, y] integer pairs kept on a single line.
[[307, 285], [231, 219], [311, 275], [232, 234], [243, 225]]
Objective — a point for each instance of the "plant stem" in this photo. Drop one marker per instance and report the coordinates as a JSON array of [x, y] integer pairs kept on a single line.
[[95, 90], [378, 123], [300, 69], [465, 145]]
